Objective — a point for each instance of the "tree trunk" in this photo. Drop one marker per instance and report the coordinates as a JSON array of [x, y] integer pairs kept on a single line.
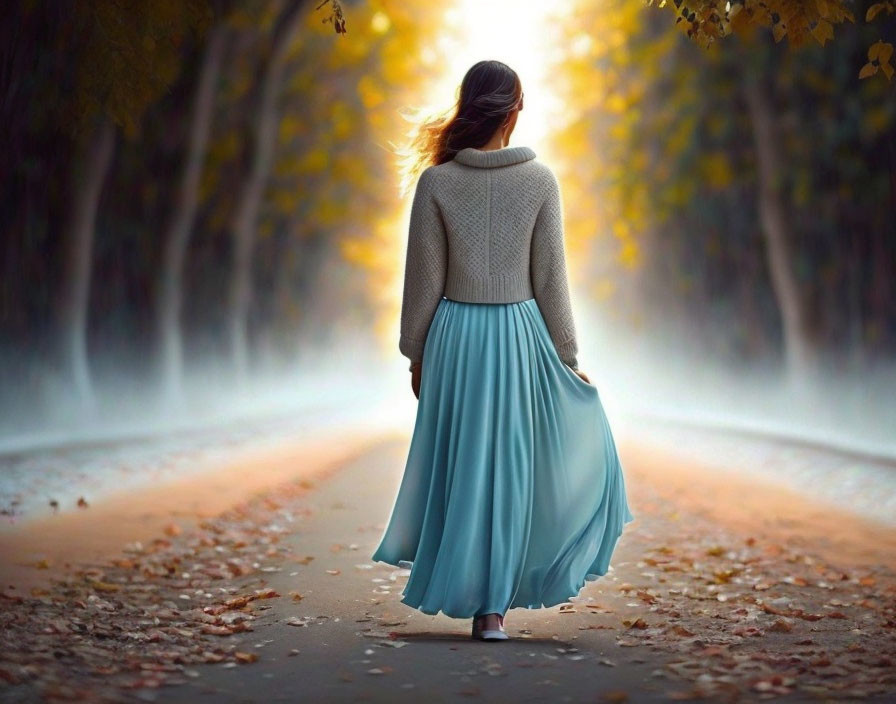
[[249, 202], [800, 347], [177, 235], [87, 185]]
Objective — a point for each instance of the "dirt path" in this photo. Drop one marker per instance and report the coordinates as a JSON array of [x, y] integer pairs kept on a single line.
[[721, 588], [38, 550]]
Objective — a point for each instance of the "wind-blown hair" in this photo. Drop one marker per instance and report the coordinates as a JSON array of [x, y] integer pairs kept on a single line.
[[489, 92]]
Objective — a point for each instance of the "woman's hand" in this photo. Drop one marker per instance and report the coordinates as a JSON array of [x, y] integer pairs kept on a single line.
[[582, 375], [416, 373]]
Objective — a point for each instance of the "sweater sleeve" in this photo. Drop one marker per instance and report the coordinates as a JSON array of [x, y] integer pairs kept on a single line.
[[549, 275], [425, 268]]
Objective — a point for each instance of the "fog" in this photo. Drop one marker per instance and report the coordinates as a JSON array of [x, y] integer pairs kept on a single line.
[[208, 259], [833, 439]]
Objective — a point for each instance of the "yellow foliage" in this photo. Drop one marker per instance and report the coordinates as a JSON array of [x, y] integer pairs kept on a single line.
[[877, 8], [682, 136], [630, 254], [291, 126], [378, 120], [329, 211], [371, 93], [622, 229], [797, 20], [794, 19], [879, 55], [716, 169], [314, 161], [128, 54], [823, 31], [880, 52], [342, 120], [616, 102], [380, 22], [867, 70]]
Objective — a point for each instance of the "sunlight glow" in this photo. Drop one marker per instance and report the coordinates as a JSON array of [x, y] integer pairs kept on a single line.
[[519, 34]]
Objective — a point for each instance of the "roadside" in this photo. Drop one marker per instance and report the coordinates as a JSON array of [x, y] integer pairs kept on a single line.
[[723, 587], [38, 550]]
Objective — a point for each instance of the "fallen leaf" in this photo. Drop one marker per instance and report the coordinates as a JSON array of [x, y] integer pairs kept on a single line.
[[781, 625], [627, 643], [680, 631], [105, 586]]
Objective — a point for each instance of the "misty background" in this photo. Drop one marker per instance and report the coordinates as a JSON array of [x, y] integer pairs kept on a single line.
[[204, 222]]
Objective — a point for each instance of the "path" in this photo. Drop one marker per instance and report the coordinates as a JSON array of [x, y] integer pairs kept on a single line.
[[721, 587]]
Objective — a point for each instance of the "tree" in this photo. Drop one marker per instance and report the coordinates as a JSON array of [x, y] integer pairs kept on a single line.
[[776, 221], [87, 184], [269, 86], [176, 237], [706, 21], [126, 54], [735, 194]]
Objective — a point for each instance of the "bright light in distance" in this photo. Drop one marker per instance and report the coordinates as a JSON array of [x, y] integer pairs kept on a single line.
[[519, 34]]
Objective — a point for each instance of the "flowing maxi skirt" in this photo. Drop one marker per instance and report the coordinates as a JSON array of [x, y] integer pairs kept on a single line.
[[513, 494]]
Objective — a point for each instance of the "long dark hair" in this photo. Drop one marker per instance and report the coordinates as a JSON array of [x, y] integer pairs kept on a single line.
[[489, 92]]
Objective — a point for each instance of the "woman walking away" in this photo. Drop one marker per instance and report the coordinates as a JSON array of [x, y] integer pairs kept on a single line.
[[513, 493]]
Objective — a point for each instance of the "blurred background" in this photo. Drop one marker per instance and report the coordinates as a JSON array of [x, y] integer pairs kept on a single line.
[[204, 221]]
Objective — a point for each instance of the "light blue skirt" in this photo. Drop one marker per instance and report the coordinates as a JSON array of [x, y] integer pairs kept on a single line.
[[513, 494]]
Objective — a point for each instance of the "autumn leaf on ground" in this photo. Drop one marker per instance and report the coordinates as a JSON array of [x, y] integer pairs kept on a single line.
[[679, 631], [105, 586], [782, 625]]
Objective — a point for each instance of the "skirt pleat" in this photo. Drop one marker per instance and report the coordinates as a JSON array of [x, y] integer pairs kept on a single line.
[[513, 494]]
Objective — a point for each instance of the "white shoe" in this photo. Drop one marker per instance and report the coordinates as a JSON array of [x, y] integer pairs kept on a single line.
[[488, 634]]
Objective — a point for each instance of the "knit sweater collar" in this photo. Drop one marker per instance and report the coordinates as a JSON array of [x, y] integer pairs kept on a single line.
[[494, 157]]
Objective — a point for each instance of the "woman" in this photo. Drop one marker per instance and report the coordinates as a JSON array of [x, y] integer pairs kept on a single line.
[[513, 494]]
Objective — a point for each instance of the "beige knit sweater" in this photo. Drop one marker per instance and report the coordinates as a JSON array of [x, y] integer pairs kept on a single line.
[[487, 227]]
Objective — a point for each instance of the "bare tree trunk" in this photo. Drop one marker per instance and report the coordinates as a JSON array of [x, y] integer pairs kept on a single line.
[[246, 219], [87, 185], [177, 235], [800, 347], [883, 258]]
